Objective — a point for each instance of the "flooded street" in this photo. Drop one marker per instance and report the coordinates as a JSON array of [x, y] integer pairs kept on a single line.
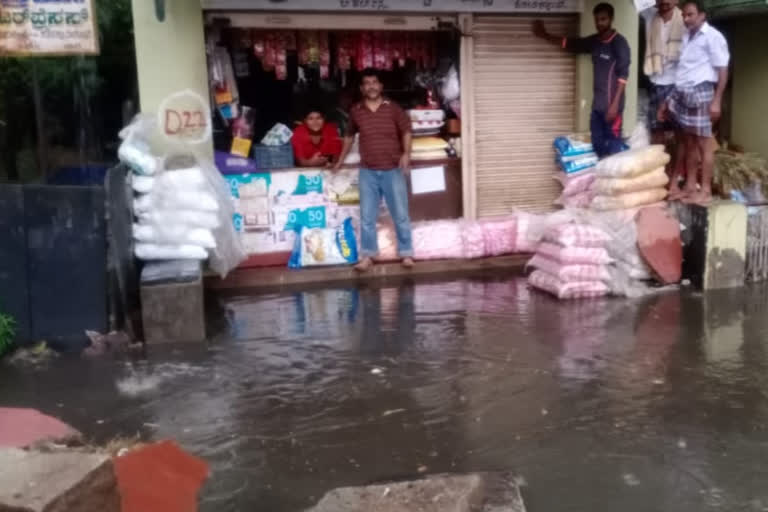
[[656, 404]]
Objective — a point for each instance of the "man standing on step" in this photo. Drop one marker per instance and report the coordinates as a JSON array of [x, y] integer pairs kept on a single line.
[[664, 39], [696, 102], [385, 153], [610, 60]]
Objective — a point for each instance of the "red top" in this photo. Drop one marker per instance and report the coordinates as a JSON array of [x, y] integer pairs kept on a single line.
[[381, 132], [304, 148]]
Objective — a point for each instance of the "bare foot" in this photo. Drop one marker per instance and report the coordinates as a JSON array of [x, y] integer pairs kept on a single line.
[[700, 198], [408, 263], [675, 193], [365, 265]]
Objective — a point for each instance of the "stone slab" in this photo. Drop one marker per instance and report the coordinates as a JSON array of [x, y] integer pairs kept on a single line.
[[478, 492], [24, 427], [658, 239], [160, 477], [69, 481]]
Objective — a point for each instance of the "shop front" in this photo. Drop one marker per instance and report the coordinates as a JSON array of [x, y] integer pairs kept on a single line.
[[486, 99]]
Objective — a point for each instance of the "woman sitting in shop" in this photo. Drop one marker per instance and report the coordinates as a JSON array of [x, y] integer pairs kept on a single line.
[[316, 143]]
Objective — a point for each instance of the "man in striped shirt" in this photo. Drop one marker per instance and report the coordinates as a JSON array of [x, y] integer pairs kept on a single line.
[[385, 153]]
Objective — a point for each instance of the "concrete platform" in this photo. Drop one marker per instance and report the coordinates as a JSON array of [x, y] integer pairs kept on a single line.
[[57, 482], [279, 277], [476, 492]]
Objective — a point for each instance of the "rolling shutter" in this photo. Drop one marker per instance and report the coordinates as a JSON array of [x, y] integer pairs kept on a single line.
[[523, 96]]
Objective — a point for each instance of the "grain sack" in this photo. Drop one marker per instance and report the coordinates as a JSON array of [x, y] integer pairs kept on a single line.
[[567, 290], [630, 200], [612, 186], [570, 273], [633, 162], [574, 255]]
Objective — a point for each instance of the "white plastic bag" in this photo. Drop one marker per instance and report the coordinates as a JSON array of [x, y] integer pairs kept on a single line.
[[142, 184], [135, 150], [177, 234], [451, 89], [149, 252], [189, 218], [640, 137]]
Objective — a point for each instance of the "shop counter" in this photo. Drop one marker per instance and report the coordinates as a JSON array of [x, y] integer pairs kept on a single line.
[[270, 204]]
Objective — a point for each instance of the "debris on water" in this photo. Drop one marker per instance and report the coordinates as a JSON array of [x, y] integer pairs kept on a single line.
[[682, 444], [422, 469], [37, 355], [391, 412], [631, 480], [544, 412], [377, 371], [386, 492], [115, 342], [658, 382]]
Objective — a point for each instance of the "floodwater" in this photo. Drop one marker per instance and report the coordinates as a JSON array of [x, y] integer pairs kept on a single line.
[[654, 404]]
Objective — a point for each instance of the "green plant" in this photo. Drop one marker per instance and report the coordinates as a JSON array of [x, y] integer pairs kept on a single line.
[[7, 333]]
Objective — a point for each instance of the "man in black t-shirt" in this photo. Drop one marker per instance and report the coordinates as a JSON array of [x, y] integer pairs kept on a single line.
[[610, 59]]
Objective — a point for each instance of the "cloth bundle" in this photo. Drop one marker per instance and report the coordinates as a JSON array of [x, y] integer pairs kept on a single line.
[[572, 262], [631, 179]]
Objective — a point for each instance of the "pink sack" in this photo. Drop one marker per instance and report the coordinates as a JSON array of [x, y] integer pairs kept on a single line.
[[438, 240], [574, 255], [580, 200], [500, 236], [577, 235], [570, 273], [567, 290], [473, 240], [577, 182]]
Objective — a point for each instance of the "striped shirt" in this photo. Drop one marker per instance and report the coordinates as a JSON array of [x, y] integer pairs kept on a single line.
[[381, 134]]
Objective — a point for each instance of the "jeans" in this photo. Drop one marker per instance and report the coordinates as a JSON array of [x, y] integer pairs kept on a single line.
[[391, 185], [606, 137]]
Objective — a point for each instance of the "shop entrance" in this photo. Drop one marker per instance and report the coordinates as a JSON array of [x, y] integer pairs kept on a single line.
[[272, 70]]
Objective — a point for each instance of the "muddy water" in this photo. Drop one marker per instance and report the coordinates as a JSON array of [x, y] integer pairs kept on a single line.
[[658, 404]]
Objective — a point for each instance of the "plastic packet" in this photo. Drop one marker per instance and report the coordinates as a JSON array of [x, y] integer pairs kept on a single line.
[[325, 246]]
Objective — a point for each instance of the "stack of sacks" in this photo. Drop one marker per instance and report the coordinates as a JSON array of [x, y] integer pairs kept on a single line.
[[572, 262], [631, 179], [428, 148], [176, 217], [576, 159]]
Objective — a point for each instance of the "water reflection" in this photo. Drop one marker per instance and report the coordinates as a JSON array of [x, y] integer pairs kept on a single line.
[[652, 404]]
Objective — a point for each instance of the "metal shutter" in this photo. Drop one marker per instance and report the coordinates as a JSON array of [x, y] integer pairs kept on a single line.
[[523, 97]]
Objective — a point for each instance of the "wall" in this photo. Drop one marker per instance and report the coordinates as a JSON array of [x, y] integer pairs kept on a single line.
[[627, 23], [749, 107], [170, 55]]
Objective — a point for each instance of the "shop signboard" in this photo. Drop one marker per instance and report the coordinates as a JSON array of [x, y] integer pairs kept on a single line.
[[48, 28], [412, 6]]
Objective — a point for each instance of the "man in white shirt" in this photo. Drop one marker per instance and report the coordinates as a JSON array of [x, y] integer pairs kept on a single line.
[[664, 37], [696, 102]]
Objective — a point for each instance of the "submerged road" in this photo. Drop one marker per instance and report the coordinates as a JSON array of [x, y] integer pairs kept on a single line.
[[654, 404]]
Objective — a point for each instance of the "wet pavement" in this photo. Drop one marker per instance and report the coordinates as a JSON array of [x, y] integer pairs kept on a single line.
[[654, 404]]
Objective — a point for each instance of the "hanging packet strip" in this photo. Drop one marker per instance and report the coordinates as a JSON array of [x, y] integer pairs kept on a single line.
[[323, 247], [573, 145]]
